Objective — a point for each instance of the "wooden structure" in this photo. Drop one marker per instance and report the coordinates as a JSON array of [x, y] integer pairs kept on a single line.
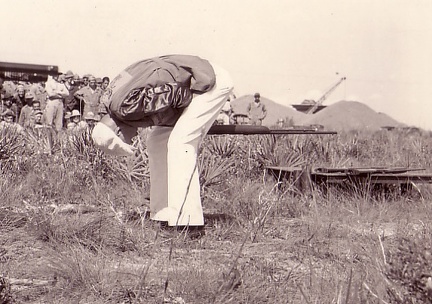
[[27, 72], [372, 178], [298, 177]]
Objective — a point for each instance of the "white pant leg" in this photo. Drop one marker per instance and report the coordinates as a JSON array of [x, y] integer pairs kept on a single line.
[[157, 149], [184, 199]]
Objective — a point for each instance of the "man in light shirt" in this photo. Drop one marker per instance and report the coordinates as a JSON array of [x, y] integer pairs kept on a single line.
[[56, 92]]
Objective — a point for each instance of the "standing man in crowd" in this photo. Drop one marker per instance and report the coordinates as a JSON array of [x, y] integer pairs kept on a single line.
[[56, 92], [7, 104], [38, 90], [105, 83], [19, 98], [89, 97], [104, 87], [26, 118], [2, 89], [256, 111], [180, 96], [224, 117], [70, 102], [85, 80]]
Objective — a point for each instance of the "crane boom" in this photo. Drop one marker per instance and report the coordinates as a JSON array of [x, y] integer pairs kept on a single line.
[[324, 97]]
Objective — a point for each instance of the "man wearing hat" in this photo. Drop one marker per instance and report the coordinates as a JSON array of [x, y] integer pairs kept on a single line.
[[180, 96], [8, 117], [76, 123], [7, 103], [99, 81], [9, 121], [91, 119], [77, 81], [85, 80], [26, 117], [38, 121], [56, 92], [89, 96], [19, 98], [70, 101], [256, 111]]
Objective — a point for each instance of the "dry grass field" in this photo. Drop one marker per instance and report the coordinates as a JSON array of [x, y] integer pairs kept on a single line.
[[74, 227]]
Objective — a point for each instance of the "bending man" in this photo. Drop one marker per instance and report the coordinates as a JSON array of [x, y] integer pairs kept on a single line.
[[180, 96]]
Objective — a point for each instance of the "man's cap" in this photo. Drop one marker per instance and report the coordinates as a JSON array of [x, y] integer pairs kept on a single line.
[[38, 112], [9, 112], [91, 78], [86, 76], [91, 116], [257, 95], [7, 95], [98, 80], [68, 115], [75, 113], [68, 74], [29, 95]]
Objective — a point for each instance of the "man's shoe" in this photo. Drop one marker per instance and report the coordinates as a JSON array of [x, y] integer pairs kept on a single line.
[[193, 232]]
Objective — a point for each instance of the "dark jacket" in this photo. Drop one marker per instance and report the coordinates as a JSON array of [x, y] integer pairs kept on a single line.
[[158, 88], [70, 101]]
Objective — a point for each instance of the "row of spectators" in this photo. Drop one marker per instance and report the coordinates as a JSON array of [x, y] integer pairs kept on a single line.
[[62, 102]]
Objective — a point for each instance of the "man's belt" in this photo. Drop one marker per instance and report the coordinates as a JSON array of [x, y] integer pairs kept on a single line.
[[55, 98]]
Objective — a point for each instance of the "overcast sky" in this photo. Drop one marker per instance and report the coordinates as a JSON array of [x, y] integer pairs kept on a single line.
[[288, 50]]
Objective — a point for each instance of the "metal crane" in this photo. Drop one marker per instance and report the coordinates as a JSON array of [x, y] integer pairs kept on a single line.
[[324, 97]]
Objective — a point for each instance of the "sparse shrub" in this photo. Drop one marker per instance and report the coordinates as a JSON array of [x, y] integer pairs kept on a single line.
[[223, 146], [11, 149], [213, 169], [301, 245], [410, 269], [6, 296]]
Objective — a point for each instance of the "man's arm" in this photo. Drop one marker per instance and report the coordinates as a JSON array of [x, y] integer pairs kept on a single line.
[[264, 114], [80, 95], [56, 90], [22, 117], [63, 91]]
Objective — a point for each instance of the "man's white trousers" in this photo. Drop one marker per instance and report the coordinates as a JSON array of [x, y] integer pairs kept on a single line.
[[174, 181]]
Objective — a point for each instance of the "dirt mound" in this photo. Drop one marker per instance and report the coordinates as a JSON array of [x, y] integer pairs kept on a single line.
[[274, 110], [350, 115]]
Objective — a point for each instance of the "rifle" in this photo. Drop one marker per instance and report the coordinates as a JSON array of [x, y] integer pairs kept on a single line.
[[254, 130]]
